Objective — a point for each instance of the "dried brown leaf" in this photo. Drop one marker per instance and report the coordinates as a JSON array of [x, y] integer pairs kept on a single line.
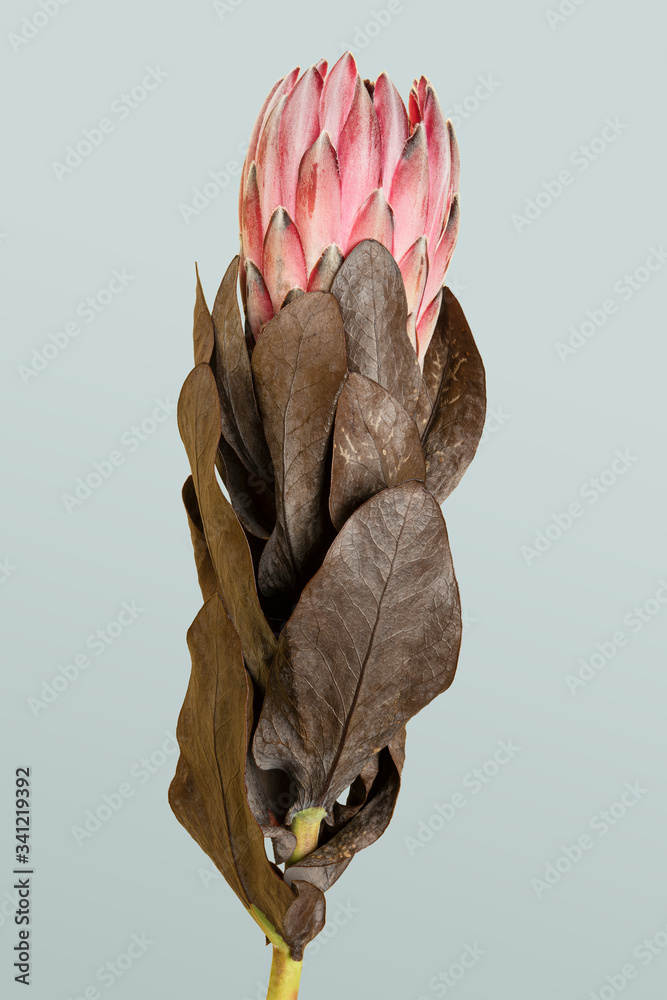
[[251, 498], [298, 367], [199, 425], [370, 292], [208, 581], [241, 426], [376, 444], [208, 794], [326, 864], [374, 637], [455, 382], [203, 334]]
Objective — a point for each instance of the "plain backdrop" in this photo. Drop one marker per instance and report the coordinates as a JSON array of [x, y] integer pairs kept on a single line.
[[561, 270]]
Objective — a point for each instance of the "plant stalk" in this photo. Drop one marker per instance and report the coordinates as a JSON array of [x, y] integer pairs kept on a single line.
[[285, 976], [306, 828], [285, 972]]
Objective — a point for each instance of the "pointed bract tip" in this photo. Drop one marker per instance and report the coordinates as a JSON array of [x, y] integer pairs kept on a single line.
[[347, 57]]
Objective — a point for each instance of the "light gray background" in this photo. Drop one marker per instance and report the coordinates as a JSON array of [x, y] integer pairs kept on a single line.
[[400, 915]]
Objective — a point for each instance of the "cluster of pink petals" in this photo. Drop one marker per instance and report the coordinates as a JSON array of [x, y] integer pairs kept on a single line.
[[334, 160]]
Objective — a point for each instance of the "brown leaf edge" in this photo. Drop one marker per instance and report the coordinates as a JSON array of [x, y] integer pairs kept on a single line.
[[241, 424], [347, 673], [208, 793], [376, 444], [453, 402], [367, 822], [298, 367], [251, 498], [370, 292], [243, 460], [208, 581], [203, 334], [199, 426]]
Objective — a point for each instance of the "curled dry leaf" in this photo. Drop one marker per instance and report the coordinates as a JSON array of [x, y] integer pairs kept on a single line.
[[356, 796], [376, 444], [252, 500], [208, 794], [325, 865], [269, 796], [375, 636], [202, 331], [298, 367], [243, 460], [199, 425], [230, 362], [452, 406], [370, 293], [208, 581]]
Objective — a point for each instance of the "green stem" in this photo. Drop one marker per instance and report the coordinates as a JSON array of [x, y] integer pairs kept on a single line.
[[285, 976], [306, 828], [285, 972]]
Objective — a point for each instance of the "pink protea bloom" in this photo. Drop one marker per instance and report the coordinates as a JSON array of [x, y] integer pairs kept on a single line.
[[333, 160]]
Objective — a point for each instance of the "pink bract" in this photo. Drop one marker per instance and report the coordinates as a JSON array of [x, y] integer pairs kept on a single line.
[[333, 160]]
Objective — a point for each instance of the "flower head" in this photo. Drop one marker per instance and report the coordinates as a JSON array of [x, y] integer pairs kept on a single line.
[[334, 160]]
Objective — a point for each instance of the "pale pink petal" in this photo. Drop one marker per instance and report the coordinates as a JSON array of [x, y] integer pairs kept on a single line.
[[421, 92], [438, 143], [394, 126], [455, 170], [414, 269], [373, 221], [283, 86], [322, 67], [284, 264], [254, 135], [252, 231], [426, 326], [322, 275], [299, 128], [268, 164], [242, 278], [413, 107], [259, 307], [439, 260], [359, 155], [252, 145], [318, 199], [337, 96], [409, 192], [244, 175]]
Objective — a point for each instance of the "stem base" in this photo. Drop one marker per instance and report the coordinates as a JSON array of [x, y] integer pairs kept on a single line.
[[285, 977]]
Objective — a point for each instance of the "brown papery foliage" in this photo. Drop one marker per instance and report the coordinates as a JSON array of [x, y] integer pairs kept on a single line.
[[331, 609]]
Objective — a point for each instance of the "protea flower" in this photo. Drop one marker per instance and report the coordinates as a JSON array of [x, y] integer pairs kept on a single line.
[[333, 160], [340, 412]]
